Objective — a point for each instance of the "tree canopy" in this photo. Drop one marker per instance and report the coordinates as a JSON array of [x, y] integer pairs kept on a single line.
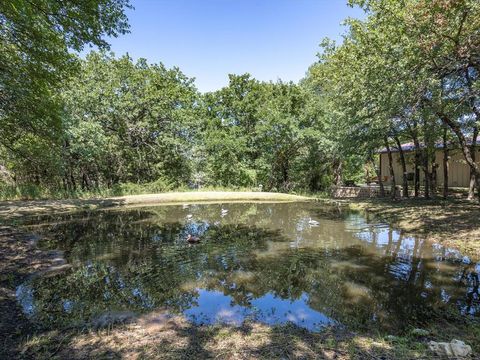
[[408, 71]]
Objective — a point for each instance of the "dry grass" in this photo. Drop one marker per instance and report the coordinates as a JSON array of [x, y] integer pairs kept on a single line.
[[159, 336], [17, 208]]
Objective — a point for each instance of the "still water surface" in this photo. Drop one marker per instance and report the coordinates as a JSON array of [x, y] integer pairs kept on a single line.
[[303, 263]]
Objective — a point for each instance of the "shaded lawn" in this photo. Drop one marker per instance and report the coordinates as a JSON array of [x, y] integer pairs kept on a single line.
[[175, 338], [454, 223]]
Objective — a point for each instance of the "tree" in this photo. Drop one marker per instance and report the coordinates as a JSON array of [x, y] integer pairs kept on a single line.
[[230, 132], [128, 122], [38, 40], [397, 75], [439, 53]]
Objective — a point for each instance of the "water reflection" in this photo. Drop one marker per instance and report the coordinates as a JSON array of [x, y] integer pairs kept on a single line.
[[267, 262], [215, 307]]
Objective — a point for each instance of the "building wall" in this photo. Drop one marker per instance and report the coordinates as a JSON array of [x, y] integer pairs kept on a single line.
[[458, 175]]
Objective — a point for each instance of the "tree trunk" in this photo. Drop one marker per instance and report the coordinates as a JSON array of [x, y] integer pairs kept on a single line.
[[412, 129], [429, 160], [417, 174], [378, 172], [390, 168], [417, 162], [73, 185], [426, 175], [474, 167], [445, 164], [285, 179], [404, 167], [471, 188], [474, 173], [433, 175], [337, 172]]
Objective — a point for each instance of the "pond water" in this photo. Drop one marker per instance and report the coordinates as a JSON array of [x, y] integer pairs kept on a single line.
[[303, 263]]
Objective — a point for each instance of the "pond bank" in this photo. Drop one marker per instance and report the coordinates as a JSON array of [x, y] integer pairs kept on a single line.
[[454, 223], [20, 207]]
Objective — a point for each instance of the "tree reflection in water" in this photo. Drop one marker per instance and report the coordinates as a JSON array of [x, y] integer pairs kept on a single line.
[[260, 261]]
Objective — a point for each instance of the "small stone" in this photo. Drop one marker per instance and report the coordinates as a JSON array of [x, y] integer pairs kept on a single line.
[[440, 348], [459, 348], [420, 332], [455, 348]]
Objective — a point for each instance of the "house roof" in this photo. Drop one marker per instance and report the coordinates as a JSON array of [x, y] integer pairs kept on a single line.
[[410, 146]]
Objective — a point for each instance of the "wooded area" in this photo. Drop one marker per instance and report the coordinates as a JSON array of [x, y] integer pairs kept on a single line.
[[409, 71]]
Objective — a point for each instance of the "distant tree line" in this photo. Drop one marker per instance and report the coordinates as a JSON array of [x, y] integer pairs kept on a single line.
[[408, 72]]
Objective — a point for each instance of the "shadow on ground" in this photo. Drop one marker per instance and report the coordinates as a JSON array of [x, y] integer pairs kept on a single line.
[[452, 222], [175, 338]]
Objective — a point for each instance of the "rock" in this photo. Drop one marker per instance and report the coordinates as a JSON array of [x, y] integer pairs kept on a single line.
[[111, 317], [420, 332], [455, 348], [459, 348], [440, 348]]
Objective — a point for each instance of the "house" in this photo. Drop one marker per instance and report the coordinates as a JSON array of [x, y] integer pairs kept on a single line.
[[458, 174]]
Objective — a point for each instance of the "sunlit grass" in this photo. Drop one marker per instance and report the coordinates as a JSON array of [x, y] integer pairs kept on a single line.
[[33, 192]]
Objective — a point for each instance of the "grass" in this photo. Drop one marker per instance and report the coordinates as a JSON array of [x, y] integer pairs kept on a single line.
[[177, 339], [34, 192], [18, 208], [453, 222]]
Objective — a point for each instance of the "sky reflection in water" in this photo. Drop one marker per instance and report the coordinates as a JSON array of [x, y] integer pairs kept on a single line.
[[215, 307], [263, 262]]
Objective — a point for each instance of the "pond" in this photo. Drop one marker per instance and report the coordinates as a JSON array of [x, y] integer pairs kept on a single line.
[[276, 263]]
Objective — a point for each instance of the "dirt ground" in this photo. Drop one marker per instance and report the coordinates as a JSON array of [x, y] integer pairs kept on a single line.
[[160, 335]]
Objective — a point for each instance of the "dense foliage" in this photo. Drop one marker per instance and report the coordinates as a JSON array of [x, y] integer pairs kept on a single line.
[[37, 41], [133, 122], [409, 71]]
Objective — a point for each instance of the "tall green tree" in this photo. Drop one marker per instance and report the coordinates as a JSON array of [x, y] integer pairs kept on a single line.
[[38, 41], [128, 122]]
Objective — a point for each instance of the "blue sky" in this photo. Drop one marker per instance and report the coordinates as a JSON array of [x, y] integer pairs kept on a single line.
[[208, 39]]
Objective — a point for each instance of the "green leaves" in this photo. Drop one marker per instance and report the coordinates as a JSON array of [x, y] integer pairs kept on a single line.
[[136, 117], [36, 40]]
